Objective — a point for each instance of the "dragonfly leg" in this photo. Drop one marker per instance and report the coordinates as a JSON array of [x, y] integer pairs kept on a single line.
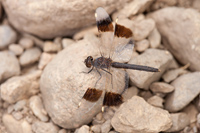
[[99, 77]]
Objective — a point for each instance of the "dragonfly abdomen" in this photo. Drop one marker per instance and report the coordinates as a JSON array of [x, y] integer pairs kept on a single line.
[[134, 67]]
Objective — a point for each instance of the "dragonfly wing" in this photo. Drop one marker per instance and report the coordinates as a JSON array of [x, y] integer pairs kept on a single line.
[[106, 30], [122, 45]]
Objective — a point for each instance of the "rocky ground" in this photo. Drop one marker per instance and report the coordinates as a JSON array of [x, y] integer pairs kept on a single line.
[[41, 70]]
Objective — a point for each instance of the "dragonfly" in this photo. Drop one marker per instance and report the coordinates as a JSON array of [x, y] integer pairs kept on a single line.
[[115, 44]]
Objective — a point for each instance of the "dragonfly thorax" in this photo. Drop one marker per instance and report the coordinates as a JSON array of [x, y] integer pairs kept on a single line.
[[102, 62]]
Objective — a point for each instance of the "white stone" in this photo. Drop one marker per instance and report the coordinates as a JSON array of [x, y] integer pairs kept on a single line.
[[26, 43], [7, 36], [44, 127], [16, 49], [30, 56], [9, 65], [20, 87], [134, 116], [15, 126], [38, 108]]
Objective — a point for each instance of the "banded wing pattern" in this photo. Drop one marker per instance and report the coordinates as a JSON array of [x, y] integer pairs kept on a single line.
[[114, 43]]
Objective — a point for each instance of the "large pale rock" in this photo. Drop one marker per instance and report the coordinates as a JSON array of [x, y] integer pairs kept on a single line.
[[7, 36], [49, 18], [42, 127], [137, 116], [154, 58], [15, 126], [63, 83], [172, 23], [20, 87], [187, 87], [9, 65]]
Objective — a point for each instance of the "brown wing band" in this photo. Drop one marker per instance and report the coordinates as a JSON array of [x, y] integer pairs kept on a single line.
[[121, 31], [92, 94], [112, 99], [105, 25]]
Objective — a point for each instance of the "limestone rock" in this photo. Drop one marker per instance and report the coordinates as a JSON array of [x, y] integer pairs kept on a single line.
[[14, 126], [187, 44], [171, 75], [7, 36], [133, 116], [43, 127], [20, 87], [151, 57], [142, 45], [154, 38], [63, 83], [179, 121], [26, 43], [161, 87], [16, 49], [9, 65], [38, 108], [143, 28], [83, 129], [44, 60], [66, 42], [69, 16], [192, 112], [156, 101], [51, 47], [135, 7], [187, 87], [30, 56], [106, 126], [20, 105], [130, 92]]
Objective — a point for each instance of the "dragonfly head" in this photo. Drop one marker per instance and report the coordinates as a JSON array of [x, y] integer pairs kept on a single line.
[[89, 61]]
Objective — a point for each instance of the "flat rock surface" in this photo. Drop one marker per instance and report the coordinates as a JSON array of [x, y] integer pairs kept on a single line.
[[151, 57], [187, 87], [20, 87], [64, 78], [185, 47], [7, 35], [137, 116], [9, 65], [69, 16]]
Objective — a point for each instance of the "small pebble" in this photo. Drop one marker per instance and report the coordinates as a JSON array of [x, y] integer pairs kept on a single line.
[[106, 126], [142, 45], [20, 105], [17, 115], [51, 47], [66, 42], [156, 101], [16, 49], [26, 43]]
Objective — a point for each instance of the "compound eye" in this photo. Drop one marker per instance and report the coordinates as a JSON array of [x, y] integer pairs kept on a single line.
[[91, 58]]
